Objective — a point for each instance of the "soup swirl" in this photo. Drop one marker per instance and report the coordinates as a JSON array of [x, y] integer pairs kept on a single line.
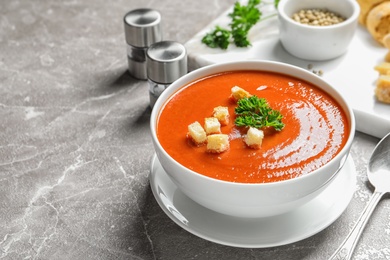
[[315, 129]]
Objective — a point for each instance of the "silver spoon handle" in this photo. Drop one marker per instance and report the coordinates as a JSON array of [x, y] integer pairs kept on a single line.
[[346, 248]]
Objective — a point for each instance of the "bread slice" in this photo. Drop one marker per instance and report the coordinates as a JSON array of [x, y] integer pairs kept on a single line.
[[254, 138], [378, 21], [217, 143], [196, 133], [239, 93], [212, 125], [382, 90], [386, 41], [365, 8], [222, 114], [387, 57]]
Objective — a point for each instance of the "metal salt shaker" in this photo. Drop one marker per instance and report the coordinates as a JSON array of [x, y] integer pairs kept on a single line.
[[142, 28], [166, 62]]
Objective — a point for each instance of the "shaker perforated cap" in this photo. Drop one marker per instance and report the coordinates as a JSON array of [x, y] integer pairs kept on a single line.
[[166, 61], [142, 27]]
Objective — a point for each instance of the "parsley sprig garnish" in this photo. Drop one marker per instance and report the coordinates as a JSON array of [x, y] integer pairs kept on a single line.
[[244, 17], [219, 38], [256, 112]]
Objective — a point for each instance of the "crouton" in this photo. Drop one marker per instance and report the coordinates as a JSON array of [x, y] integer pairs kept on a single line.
[[239, 93], [196, 133], [212, 125], [222, 114], [254, 138], [383, 68], [217, 143], [382, 90]]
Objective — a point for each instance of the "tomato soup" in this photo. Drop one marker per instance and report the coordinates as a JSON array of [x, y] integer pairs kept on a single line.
[[316, 128]]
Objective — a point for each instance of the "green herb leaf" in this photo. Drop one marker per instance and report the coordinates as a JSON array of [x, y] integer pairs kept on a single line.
[[219, 38], [276, 3], [256, 112], [243, 18]]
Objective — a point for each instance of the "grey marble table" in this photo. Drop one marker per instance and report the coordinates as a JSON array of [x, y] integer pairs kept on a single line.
[[75, 147]]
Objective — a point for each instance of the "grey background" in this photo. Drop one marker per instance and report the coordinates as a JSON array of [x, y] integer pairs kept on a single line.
[[75, 147]]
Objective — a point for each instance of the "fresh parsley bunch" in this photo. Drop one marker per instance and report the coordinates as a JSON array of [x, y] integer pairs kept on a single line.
[[244, 17], [256, 112]]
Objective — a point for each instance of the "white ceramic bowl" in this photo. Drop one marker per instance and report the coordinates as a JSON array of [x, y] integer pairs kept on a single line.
[[317, 42], [245, 199]]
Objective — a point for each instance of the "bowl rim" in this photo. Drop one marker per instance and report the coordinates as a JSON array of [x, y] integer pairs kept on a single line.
[[351, 19], [243, 65]]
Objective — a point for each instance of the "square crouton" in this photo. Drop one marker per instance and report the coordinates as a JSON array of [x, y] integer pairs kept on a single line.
[[196, 133], [239, 93], [212, 125], [254, 138], [383, 68], [217, 143], [382, 90], [222, 114]]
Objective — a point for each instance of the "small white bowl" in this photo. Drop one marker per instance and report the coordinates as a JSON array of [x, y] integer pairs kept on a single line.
[[317, 42], [251, 199]]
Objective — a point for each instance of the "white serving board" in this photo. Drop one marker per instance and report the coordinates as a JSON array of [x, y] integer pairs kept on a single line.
[[352, 74]]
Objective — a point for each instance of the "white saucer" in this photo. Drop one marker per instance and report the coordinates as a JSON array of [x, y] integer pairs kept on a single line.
[[291, 227]]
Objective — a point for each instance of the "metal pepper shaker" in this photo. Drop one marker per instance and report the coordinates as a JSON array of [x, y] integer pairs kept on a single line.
[[142, 28], [166, 62]]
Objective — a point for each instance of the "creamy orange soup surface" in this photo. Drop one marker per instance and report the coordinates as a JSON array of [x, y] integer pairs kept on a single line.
[[315, 128]]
